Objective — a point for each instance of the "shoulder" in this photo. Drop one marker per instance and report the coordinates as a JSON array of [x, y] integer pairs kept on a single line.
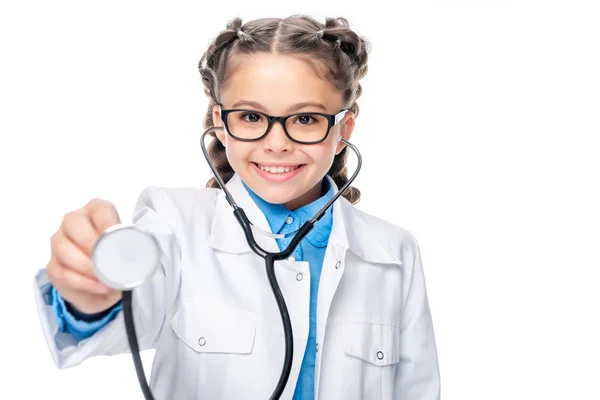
[[183, 198], [379, 226], [179, 207], [376, 238]]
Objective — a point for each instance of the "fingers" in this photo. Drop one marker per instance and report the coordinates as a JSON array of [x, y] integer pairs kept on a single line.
[[67, 279], [70, 254], [70, 268], [78, 228]]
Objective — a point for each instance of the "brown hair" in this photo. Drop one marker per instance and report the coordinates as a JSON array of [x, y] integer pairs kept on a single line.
[[336, 52]]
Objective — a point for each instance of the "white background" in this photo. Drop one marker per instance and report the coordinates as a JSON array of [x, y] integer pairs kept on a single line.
[[479, 129]]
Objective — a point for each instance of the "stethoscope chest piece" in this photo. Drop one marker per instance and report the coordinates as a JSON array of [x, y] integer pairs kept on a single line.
[[125, 257]]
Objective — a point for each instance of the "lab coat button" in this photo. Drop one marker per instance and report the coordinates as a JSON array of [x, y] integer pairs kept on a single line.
[[380, 355], [317, 347], [299, 276], [201, 341], [337, 265], [289, 220]]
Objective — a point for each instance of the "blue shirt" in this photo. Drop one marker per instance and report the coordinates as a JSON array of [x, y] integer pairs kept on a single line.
[[312, 249], [281, 220], [79, 325]]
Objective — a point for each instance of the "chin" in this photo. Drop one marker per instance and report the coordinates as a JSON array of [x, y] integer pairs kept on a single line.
[[275, 196]]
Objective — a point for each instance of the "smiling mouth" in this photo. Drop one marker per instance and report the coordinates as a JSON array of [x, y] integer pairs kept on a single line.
[[278, 169]]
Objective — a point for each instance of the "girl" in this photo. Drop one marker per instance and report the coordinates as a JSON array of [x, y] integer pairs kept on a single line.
[[354, 287]]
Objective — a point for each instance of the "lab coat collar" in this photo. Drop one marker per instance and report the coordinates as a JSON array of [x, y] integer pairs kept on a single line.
[[350, 229]]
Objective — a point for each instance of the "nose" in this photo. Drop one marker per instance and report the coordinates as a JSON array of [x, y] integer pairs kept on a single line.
[[276, 141]]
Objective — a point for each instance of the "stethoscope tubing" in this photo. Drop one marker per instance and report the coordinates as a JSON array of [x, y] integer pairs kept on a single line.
[[269, 258]]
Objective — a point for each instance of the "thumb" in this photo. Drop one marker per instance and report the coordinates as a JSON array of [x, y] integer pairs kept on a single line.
[[102, 214]]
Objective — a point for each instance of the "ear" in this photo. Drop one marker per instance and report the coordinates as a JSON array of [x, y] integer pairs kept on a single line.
[[218, 123], [346, 129]]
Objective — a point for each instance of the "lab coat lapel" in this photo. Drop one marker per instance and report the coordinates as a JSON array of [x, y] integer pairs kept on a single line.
[[350, 229], [350, 232], [226, 233]]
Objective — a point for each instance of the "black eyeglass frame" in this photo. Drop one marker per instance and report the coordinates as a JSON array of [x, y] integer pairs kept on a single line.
[[332, 120]]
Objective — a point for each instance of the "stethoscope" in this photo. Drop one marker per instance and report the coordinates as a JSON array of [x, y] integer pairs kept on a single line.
[[126, 256]]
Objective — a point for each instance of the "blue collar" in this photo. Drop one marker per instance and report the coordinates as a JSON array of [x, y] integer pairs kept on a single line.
[[277, 214]]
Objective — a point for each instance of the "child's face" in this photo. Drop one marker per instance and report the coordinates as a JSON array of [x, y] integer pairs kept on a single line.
[[275, 84]]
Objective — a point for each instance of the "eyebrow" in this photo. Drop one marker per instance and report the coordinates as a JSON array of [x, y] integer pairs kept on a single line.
[[294, 107]]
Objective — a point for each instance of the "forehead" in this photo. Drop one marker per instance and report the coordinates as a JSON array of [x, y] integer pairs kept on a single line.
[[278, 81]]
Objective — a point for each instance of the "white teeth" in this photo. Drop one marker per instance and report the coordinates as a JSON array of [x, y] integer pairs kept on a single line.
[[276, 170]]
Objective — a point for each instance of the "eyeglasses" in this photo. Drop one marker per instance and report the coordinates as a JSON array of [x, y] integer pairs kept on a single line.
[[305, 128]]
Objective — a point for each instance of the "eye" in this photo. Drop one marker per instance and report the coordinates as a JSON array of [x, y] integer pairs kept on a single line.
[[305, 119], [251, 117]]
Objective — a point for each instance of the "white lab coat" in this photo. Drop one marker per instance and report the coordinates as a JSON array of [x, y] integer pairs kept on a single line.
[[211, 316]]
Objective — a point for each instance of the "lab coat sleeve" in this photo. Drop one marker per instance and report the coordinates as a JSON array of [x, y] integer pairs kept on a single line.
[[151, 300], [417, 374], [80, 325]]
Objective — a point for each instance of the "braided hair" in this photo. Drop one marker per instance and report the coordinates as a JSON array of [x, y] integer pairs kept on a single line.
[[336, 53]]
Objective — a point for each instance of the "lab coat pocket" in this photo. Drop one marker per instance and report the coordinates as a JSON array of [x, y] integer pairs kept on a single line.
[[377, 344], [214, 329], [373, 353]]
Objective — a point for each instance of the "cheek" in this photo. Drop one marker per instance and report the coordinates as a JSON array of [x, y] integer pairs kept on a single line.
[[237, 152], [322, 155]]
